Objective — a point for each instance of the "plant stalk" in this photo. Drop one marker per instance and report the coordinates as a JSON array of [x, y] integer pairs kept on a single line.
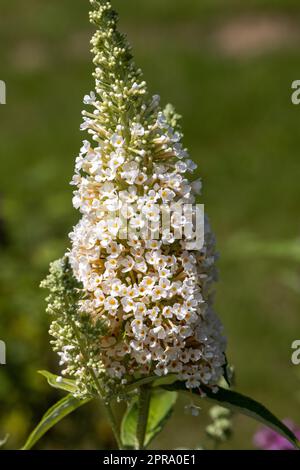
[[113, 423], [109, 412]]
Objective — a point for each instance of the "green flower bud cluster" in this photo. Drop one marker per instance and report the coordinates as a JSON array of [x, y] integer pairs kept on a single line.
[[75, 335]]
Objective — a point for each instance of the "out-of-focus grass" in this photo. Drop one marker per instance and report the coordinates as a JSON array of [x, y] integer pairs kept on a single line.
[[241, 128]]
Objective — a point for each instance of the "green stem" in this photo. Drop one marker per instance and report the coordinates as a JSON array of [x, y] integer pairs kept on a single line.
[[143, 412], [109, 412], [108, 409], [113, 423]]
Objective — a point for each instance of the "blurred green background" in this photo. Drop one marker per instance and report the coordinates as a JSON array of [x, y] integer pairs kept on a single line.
[[227, 65]]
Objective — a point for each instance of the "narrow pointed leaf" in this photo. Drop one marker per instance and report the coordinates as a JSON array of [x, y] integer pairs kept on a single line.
[[55, 414], [57, 381], [129, 426], [161, 406], [242, 404]]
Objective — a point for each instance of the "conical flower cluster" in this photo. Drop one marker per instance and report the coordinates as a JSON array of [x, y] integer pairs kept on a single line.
[[143, 283]]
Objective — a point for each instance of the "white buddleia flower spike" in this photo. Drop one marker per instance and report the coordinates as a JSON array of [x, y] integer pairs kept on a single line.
[[152, 293]]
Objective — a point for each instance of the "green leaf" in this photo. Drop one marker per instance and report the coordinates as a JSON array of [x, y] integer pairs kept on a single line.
[[225, 372], [242, 404], [55, 414], [57, 381], [129, 426], [160, 409]]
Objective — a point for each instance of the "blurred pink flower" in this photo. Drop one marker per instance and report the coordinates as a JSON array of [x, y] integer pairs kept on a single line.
[[267, 439]]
